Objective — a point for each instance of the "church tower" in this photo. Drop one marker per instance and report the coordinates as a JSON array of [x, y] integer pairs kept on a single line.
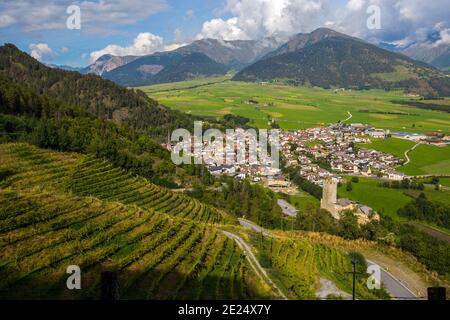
[[329, 195]]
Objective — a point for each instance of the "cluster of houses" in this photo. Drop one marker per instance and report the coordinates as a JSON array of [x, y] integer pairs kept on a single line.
[[321, 153]]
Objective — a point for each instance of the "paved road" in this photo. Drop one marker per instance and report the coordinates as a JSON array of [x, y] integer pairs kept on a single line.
[[393, 285], [254, 262], [252, 226], [287, 208]]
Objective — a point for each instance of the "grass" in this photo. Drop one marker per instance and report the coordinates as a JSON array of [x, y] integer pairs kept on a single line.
[[296, 107], [382, 200], [394, 146], [428, 159], [401, 73], [303, 200], [445, 182], [58, 209], [387, 201], [424, 159]]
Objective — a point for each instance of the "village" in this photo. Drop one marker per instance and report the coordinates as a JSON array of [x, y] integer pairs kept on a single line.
[[318, 153]]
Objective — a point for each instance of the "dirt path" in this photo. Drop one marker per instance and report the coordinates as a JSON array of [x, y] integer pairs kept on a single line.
[[408, 160], [349, 117]]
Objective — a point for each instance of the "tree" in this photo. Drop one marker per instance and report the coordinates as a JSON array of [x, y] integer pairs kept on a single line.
[[349, 186], [349, 227]]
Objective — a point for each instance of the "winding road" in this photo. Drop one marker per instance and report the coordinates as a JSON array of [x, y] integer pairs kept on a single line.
[[408, 160], [349, 117], [254, 262]]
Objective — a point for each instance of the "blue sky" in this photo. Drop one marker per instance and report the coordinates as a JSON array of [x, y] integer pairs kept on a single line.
[[144, 26]]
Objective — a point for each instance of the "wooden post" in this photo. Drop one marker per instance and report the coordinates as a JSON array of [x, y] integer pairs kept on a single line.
[[109, 286], [436, 293]]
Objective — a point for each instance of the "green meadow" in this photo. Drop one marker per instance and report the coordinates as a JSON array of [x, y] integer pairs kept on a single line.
[[384, 200], [302, 200], [428, 159], [297, 107], [424, 159], [394, 146]]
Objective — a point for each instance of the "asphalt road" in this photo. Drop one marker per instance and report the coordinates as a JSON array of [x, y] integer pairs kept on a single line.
[[394, 286]]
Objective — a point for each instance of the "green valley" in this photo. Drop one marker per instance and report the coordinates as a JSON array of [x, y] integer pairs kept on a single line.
[[297, 107]]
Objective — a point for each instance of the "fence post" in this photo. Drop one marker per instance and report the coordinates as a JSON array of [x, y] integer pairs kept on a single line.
[[436, 293], [109, 286]]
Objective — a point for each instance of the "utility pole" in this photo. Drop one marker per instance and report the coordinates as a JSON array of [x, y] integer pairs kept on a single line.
[[354, 274]]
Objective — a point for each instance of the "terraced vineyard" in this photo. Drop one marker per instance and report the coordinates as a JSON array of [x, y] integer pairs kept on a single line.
[[87, 176], [297, 266], [60, 209]]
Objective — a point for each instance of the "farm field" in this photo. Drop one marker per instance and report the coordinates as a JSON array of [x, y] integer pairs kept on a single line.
[[385, 200], [394, 146], [428, 159], [297, 107]]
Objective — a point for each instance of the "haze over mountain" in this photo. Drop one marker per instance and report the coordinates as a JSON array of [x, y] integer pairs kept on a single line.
[[326, 58], [434, 54]]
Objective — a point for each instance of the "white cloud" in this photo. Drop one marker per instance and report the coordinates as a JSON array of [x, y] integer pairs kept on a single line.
[[41, 51], [190, 14], [445, 37], [254, 19], [401, 20], [355, 5], [65, 49], [51, 14], [221, 29], [145, 43], [6, 20], [174, 46]]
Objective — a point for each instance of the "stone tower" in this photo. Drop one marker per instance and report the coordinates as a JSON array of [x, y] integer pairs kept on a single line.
[[329, 195]]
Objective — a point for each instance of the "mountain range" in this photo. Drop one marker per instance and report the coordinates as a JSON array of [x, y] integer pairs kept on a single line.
[[323, 58], [326, 58]]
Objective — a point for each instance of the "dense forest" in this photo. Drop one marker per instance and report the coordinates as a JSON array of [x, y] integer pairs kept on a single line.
[[89, 93], [243, 199]]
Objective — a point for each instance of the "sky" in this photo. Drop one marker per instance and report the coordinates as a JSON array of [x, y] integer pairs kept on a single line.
[[140, 27]]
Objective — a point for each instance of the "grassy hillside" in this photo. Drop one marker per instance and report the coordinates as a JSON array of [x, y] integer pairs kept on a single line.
[[394, 146], [424, 159], [427, 159], [297, 265], [385, 200], [297, 107]]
